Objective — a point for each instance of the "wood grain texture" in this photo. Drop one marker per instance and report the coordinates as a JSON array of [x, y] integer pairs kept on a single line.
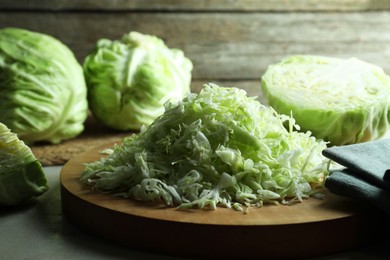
[[199, 5], [270, 232], [230, 46]]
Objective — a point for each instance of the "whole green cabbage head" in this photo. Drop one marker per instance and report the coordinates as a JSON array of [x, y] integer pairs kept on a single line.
[[42, 87], [129, 80], [343, 101]]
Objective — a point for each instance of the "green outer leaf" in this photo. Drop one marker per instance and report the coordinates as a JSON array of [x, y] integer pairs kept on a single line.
[[22, 183], [43, 95], [342, 101], [21, 174]]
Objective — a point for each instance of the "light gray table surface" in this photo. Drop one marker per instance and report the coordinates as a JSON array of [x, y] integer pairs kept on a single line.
[[39, 230]]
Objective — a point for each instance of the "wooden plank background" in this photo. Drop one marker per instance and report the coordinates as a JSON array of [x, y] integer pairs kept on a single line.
[[199, 5], [229, 42]]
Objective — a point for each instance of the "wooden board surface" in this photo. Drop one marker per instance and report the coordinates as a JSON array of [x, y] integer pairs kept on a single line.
[[273, 231]]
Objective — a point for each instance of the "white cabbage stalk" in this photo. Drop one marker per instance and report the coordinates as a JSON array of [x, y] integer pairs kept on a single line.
[[343, 101]]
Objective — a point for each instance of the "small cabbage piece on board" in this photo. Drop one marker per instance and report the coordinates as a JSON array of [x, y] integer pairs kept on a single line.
[[219, 147], [343, 101], [21, 174], [129, 80], [43, 95]]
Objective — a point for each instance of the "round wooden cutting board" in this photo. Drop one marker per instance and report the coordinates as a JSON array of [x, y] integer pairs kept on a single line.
[[315, 227]]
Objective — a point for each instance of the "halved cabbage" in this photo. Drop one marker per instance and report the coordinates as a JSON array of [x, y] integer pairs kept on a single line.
[[342, 101], [21, 174]]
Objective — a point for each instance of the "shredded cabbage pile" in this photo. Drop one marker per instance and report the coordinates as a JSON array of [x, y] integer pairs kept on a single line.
[[216, 148]]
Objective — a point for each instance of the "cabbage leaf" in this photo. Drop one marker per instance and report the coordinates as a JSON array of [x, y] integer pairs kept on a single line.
[[21, 174]]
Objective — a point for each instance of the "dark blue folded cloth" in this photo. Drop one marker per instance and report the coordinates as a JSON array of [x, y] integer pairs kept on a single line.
[[366, 175]]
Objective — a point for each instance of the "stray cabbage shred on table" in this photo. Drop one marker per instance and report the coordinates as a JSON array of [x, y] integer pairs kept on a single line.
[[216, 148]]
